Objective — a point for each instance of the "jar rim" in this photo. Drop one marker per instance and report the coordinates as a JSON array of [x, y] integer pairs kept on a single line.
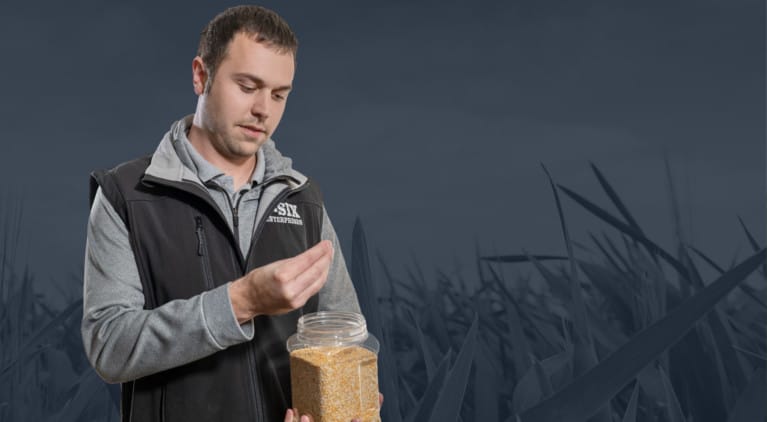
[[332, 328]]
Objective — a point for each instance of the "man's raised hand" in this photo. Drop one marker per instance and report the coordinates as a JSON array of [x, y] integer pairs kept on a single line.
[[283, 285]]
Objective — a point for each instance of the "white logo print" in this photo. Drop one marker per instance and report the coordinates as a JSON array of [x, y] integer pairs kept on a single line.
[[285, 213]]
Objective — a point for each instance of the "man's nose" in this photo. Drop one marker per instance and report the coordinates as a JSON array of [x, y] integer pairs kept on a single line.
[[260, 105]]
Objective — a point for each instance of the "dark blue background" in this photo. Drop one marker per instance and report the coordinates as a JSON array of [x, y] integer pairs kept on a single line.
[[428, 119]]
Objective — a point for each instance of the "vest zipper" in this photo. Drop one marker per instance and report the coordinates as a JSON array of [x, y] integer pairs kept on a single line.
[[202, 252], [255, 376], [236, 220], [162, 403], [235, 208]]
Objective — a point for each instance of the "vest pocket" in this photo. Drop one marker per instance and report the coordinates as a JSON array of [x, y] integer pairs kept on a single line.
[[202, 252]]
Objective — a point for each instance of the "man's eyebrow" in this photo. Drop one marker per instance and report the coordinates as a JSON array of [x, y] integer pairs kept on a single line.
[[260, 81]]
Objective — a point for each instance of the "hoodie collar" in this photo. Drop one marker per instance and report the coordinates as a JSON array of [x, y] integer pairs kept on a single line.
[[166, 163]]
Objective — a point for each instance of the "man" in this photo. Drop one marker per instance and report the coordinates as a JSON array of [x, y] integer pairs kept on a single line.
[[201, 257]]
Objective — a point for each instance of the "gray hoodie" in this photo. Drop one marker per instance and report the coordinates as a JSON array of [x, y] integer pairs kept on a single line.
[[122, 340]]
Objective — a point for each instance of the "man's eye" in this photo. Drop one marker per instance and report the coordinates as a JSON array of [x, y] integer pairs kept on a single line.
[[279, 97], [247, 88]]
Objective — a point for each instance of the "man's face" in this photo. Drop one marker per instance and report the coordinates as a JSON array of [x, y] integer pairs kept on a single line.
[[247, 96]]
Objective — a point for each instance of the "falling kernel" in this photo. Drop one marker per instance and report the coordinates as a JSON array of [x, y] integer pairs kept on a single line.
[[335, 384]]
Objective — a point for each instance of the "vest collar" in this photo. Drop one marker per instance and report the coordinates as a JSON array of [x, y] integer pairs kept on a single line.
[[166, 165]]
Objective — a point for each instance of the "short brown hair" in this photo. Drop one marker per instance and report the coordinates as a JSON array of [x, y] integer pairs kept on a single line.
[[264, 24]]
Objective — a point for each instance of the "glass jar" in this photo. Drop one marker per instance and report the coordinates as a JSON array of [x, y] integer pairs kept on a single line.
[[334, 367]]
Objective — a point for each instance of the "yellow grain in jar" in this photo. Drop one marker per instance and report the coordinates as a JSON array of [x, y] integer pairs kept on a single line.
[[334, 368]]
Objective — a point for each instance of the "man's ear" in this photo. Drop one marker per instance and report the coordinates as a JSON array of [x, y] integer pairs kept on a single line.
[[199, 75]]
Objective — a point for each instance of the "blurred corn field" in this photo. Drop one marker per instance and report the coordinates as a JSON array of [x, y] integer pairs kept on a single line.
[[44, 374], [618, 329]]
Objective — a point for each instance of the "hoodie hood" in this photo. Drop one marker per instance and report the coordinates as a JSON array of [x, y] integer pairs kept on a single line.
[[165, 163]]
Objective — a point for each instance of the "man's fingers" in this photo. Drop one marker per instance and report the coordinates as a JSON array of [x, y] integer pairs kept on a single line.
[[314, 280], [311, 281], [290, 268]]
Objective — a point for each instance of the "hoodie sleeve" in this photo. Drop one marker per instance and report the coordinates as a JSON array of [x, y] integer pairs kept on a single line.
[[122, 340], [338, 293]]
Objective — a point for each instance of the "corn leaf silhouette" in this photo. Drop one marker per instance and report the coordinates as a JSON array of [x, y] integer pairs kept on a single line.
[[628, 230], [616, 200], [448, 403], [363, 282], [673, 407], [631, 408]]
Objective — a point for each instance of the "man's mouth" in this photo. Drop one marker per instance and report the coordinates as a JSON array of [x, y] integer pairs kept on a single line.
[[253, 130]]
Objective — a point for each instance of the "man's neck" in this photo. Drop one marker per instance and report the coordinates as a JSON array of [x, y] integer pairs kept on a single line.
[[239, 168]]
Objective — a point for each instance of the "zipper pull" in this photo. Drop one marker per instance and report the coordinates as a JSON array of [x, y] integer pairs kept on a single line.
[[235, 219], [198, 230]]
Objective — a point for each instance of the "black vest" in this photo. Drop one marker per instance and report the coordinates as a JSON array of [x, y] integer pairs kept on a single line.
[[183, 247]]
